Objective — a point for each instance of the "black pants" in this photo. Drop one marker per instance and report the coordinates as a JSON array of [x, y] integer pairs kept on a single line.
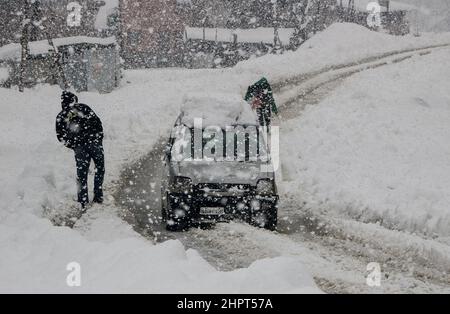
[[83, 156], [264, 116]]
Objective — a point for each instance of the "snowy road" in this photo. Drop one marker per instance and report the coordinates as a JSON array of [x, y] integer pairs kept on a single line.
[[336, 250], [364, 178]]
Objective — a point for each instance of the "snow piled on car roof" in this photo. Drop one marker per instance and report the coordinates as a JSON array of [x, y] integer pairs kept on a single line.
[[216, 109]]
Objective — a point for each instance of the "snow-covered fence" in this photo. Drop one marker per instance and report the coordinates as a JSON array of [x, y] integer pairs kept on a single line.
[[216, 47], [254, 35]]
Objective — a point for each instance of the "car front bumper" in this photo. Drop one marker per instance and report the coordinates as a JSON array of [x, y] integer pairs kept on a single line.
[[241, 206]]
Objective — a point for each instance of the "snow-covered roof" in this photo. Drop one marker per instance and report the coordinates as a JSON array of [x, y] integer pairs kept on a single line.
[[216, 109], [253, 35], [13, 51]]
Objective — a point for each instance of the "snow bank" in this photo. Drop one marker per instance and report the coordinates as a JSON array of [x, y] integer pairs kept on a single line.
[[341, 43], [34, 260], [38, 178], [377, 150]]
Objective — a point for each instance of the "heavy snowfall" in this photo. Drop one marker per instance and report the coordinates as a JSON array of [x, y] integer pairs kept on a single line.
[[364, 145]]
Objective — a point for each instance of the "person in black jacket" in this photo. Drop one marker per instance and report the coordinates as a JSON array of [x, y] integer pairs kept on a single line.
[[80, 129], [260, 97]]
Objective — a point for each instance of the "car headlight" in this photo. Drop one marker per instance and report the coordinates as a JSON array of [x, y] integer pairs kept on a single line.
[[265, 187], [181, 185]]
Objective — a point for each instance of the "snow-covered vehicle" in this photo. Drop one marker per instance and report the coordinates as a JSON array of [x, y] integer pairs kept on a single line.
[[218, 166]]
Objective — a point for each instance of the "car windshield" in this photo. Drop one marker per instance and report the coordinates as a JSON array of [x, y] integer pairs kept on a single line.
[[236, 143]]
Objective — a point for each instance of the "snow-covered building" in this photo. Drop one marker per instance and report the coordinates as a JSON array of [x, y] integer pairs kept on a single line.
[[83, 32], [88, 63]]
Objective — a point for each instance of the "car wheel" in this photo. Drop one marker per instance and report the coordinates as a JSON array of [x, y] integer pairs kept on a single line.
[[271, 219], [265, 219], [163, 205], [174, 223], [177, 225]]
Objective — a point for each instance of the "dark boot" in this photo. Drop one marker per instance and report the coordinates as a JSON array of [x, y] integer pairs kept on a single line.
[[98, 199]]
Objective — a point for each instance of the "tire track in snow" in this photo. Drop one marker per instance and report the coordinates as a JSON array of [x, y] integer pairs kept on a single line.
[[398, 54], [295, 93]]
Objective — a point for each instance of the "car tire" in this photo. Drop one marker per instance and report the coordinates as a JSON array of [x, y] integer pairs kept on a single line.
[[177, 225], [163, 205], [173, 224], [265, 219], [272, 219]]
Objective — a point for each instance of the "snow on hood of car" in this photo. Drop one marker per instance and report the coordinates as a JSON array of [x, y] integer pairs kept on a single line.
[[216, 109]]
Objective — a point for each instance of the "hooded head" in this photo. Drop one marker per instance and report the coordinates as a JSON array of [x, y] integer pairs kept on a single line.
[[68, 99]]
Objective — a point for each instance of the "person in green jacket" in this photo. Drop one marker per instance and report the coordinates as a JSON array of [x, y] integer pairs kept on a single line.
[[260, 97]]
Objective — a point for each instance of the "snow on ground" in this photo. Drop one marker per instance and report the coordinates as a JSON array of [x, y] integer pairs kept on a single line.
[[377, 149], [38, 174], [341, 43], [36, 262], [38, 178]]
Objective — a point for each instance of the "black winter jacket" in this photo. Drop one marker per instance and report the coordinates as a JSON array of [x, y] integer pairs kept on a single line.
[[78, 125]]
